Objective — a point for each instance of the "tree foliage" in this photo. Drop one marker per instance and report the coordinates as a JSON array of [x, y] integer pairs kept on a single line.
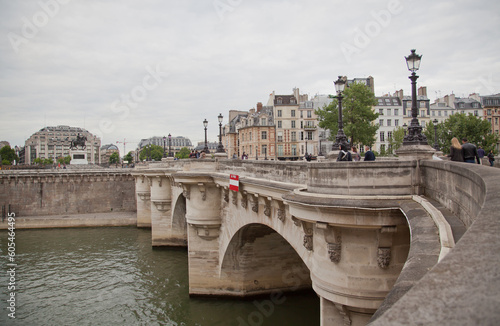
[[396, 140], [460, 125], [129, 157], [64, 160], [114, 158], [155, 152], [8, 155], [183, 153], [357, 115]]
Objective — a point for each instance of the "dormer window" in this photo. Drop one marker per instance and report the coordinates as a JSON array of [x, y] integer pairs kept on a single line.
[[292, 101], [280, 100]]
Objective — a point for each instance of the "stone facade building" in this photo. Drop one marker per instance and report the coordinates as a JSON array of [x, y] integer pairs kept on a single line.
[[54, 142], [390, 110], [107, 151], [176, 143]]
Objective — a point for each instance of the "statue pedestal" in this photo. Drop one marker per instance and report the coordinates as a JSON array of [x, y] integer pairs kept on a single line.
[[78, 157], [415, 152]]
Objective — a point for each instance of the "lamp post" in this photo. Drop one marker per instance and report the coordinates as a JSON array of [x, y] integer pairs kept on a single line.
[[220, 148], [164, 152], [205, 149], [319, 152], [170, 154], [265, 153], [436, 146], [341, 138], [415, 135]]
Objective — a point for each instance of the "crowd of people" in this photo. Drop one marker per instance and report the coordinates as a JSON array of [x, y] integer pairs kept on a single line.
[[345, 155], [468, 153]]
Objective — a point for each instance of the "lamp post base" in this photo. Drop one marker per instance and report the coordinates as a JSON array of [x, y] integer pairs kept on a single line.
[[415, 152]]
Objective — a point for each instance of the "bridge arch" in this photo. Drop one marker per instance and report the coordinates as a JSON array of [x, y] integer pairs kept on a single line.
[[179, 225], [258, 259]]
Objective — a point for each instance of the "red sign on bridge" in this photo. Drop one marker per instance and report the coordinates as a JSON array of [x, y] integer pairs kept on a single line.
[[234, 182]]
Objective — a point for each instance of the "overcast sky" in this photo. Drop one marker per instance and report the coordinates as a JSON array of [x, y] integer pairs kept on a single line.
[[135, 69]]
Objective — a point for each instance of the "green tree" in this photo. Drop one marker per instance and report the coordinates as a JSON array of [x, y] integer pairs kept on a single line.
[[183, 153], [129, 157], [114, 158], [8, 155], [64, 160], [396, 140], [475, 129], [357, 115], [156, 152]]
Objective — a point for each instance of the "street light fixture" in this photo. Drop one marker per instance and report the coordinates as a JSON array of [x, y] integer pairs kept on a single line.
[[341, 138], [205, 149], [220, 148], [415, 135], [436, 146], [170, 154], [164, 141]]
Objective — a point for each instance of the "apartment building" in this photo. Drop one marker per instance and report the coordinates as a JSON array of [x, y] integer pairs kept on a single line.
[[391, 116], [54, 143]]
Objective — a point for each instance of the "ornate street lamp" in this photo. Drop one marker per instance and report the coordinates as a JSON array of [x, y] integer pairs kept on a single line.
[[220, 148], [164, 141], [436, 146], [170, 154], [341, 138], [415, 135], [205, 149]]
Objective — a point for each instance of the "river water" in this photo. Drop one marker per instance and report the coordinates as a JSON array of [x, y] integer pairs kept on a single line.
[[112, 276]]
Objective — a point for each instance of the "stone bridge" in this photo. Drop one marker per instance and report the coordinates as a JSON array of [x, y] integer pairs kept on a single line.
[[385, 242]]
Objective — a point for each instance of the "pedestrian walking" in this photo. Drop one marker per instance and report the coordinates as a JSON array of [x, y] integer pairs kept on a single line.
[[491, 158], [369, 155], [456, 153], [469, 151]]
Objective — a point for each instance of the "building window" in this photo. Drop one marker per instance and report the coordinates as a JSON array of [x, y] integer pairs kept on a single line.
[[382, 148], [263, 122], [294, 150], [280, 150], [292, 101], [381, 111], [422, 104], [389, 122], [279, 124], [389, 135], [476, 113], [280, 100], [294, 136], [293, 123], [396, 111], [388, 111], [488, 112], [433, 113], [309, 135], [461, 105], [264, 135], [264, 149], [422, 113], [475, 105], [423, 124], [279, 113], [396, 122], [250, 137], [381, 122], [382, 136], [301, 114], [309, 113], [293, 113]]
